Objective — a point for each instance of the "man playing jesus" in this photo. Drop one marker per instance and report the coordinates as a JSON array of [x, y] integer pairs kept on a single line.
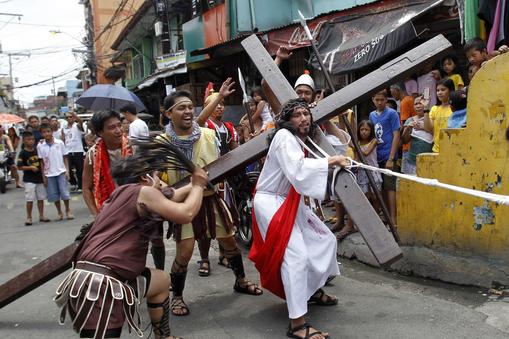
[[293, 250]]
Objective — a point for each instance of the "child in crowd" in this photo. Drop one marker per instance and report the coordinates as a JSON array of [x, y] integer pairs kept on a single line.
[[263, 111], [449, 67], [246, 133], [29, 163], [387, 125], [89, 141], [437, 118], [472, 69], [368, 143], [125, 126], [421, 141], [458, 102], [476, 52], [55, 166]]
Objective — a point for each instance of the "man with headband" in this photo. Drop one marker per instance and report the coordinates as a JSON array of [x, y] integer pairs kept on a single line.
[[292, 249], [109, 278], [214, 219]]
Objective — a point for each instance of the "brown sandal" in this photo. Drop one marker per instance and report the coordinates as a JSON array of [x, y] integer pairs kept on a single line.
[[247, 287], [305, 326], [178, 304], [318, 299]]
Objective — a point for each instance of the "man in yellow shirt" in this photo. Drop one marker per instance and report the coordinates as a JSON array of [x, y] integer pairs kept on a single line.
[[214, 219]]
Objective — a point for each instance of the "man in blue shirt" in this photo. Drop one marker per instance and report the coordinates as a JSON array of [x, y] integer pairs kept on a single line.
[[386, 121]]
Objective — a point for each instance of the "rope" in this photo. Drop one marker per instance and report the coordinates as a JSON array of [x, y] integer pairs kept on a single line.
[[497, 198]]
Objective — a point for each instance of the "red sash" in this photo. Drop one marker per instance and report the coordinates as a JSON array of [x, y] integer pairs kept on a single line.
[[268, 255]]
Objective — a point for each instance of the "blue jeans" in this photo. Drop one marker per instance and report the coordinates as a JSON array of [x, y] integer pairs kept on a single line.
[[57, 188]]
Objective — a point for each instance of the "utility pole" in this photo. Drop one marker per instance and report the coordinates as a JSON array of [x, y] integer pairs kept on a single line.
[[55, 96], [10, 55]]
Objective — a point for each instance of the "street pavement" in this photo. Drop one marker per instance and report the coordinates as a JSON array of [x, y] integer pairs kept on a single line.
[[372, 303]]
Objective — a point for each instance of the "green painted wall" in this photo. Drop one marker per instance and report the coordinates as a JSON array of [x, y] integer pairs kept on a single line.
[[325, 6], [240, 16], [194, 38], [147, 50], [270, 14]]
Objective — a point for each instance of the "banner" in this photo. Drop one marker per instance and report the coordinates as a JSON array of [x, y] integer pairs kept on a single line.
[[171, 60], [349, 44]]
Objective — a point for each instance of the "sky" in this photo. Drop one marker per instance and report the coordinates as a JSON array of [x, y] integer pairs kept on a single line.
[[50, 53]]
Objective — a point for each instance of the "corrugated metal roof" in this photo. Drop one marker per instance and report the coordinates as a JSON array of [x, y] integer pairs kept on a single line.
[[152, 78]]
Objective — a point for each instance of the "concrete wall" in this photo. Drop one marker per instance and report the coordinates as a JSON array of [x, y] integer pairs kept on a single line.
[[475, 157], [102, 12]]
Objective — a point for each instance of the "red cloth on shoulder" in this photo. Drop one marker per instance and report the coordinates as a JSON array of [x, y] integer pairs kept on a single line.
[[268, 255], [103, 181]]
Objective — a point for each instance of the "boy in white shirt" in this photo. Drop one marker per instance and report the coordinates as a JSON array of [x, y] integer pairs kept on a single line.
[[53, 155]]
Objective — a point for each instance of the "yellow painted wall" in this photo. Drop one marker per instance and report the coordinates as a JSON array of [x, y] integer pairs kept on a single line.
[[474, 157]]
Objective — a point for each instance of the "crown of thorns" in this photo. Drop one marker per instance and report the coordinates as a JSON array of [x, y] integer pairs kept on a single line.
[[289, 108]]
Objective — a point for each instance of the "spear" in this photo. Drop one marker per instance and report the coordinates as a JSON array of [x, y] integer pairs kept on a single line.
[[355, 142], [245, 101]]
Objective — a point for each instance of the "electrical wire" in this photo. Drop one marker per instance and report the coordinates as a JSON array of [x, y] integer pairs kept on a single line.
[[5, 24], [49, 79], [109, 25], [34, 24]]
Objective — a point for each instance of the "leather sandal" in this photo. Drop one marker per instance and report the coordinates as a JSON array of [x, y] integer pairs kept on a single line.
[[204, 270], [318, 299], [178, 304], [247, 288], [307, 327]]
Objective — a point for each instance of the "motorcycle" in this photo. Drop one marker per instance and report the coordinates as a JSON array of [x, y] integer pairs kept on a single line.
[[243, 185], [5, 174]]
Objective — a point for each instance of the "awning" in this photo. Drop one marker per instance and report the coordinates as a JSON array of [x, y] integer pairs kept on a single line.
[[348, 44], [151, 79]]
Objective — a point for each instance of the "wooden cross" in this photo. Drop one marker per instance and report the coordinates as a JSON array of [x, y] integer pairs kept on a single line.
[[374, 232]]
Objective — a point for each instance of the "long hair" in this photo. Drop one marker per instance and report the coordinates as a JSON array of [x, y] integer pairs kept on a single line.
[[286, 114], [258, 90], [152, 154], [371, 127]]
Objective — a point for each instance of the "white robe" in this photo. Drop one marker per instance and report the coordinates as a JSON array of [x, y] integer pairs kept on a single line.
[[310, 256]]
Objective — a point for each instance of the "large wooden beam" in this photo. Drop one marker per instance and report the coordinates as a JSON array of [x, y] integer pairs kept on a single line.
[[395, 70], [37, 275], [345, 98], [379, 240]]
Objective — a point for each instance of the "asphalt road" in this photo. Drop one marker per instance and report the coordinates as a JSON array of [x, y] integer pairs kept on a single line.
[[373, 303]]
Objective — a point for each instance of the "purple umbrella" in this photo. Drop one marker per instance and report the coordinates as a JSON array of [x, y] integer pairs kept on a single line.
[[109, 97]]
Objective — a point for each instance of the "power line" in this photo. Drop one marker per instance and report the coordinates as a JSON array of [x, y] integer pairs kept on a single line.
[[39, 25], [109, 25], [49, 79], [41, 49]]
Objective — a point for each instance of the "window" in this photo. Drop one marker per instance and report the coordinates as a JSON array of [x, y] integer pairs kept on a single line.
[[138, 67], [201, 6]]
